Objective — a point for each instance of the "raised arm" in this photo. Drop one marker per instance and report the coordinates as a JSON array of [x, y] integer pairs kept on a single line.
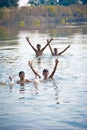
[[30, 44], [51, 50], [30, 64], [55, 67], [48, 42], [10, 78], [64, 50]]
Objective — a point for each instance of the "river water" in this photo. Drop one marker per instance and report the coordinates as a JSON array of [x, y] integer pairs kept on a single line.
[[58, 104]]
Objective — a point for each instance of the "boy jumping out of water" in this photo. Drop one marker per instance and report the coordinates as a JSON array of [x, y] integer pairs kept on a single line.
[[55, 51], [45, 71], [39, 51], [22, 80]]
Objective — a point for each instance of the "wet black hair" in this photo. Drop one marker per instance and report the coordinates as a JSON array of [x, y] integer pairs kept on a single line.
[[39, 45], [45, 70], [55, 48], [21, 72]]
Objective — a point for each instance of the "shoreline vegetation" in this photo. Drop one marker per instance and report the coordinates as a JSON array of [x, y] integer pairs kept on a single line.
[[37, 16], [42, 18]]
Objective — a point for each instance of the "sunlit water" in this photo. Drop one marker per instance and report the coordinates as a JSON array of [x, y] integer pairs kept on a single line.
[[58, 104]]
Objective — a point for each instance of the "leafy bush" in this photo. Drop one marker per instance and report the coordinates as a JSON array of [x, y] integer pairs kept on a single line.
[[37, 22], [21, 23]]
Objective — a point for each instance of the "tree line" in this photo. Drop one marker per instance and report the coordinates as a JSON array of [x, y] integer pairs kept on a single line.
[[57, 2], [14, 3], [8, 3]]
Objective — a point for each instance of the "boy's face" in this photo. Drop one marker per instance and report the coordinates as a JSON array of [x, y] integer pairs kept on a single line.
[[22, 75], [38, 46], [55, 50], [45, 74]]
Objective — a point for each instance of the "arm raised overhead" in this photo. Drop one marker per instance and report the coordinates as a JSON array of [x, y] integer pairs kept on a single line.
[[48, 42], [36, 73], [55, 67], [64, 50], [30, 43]]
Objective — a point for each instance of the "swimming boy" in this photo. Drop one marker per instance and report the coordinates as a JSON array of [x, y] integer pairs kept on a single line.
[[38, 51], [22, 80], [45, 71], [55, 51]]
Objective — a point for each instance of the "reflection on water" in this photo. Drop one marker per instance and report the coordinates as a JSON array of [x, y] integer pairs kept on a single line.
[[49, 105]]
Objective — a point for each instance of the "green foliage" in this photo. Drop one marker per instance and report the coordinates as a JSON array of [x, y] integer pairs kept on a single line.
[[8, 3], [56, 2], [38, 15], [84, 1], [63, 21], [68, 2], [52, 32], [80, 13], [21, 23], [51, 10], [3, 33], [4, 13], [43, 2], [1, 13], [37, 22]]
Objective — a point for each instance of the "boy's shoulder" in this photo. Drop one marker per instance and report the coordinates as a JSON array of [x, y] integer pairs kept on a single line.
[[27, 80]]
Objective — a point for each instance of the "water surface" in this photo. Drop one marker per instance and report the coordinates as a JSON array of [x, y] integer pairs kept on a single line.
[[58, 104]]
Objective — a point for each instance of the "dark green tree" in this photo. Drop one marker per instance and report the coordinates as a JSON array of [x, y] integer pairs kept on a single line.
[[8, 3], [84, 1], [34, 2], [43, 2], [67, 2]]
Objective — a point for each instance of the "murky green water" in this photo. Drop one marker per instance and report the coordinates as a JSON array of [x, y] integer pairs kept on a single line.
[[58, 104]]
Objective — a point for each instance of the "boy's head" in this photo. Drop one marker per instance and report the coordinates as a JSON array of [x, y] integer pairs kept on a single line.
[[21, 74], [45, 73], [55, 50], [38, 46]]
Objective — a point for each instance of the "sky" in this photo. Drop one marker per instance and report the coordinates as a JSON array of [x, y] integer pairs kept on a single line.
[[23, 2]]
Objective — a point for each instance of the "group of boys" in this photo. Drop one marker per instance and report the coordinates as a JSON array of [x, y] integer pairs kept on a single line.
[[39, 51]]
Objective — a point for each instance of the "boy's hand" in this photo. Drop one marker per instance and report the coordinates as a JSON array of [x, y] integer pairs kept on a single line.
[[49, 40], [10, 78]]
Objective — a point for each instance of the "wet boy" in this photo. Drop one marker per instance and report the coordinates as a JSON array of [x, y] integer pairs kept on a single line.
[[22, 80], [39, 51], [55, 51], [45, 71]]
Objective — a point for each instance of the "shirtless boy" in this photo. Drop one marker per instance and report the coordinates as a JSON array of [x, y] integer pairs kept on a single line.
[[55, 51], [45, 71], [38, 50], [22, 80]]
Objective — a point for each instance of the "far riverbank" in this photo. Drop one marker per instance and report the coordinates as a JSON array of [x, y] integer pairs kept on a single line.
[[42, 16]]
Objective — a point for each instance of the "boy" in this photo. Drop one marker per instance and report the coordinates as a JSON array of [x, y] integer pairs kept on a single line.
[[22, 80], [55, 52], [39, 51], [45, 71]]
